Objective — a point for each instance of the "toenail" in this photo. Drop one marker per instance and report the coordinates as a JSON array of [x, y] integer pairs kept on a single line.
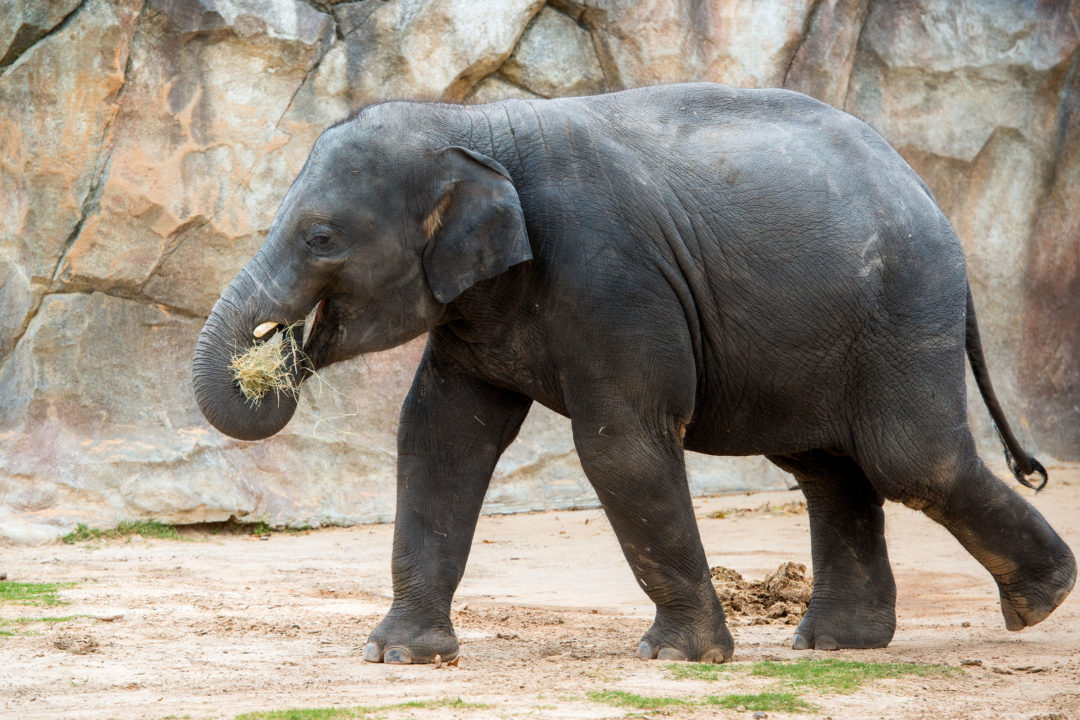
[[824, 642], [397, 656], [371, 652]]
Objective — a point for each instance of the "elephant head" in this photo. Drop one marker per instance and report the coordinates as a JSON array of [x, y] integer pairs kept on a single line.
[[383, 228]]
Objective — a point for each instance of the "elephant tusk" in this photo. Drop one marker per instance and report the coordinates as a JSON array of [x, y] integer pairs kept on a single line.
[[265, 328]]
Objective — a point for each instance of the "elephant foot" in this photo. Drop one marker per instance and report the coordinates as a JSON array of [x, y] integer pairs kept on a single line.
[[1029, 600], [846, 629], [401, 640], [707, 640]]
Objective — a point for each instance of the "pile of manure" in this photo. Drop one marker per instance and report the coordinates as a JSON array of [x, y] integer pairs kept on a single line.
[[780, 598]]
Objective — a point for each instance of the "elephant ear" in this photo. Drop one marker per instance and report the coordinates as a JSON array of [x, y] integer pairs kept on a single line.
[[475, 230]]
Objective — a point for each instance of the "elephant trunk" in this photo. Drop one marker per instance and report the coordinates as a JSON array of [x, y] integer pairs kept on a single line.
[[228, 332]]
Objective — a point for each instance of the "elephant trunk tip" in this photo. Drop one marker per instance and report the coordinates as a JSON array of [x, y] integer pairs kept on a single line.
[[247, 390], [277, 365]]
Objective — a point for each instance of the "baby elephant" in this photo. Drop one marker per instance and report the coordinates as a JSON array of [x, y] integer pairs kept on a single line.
[[681, 267]]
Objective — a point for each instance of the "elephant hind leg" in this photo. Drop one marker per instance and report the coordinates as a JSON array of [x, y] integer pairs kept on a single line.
[[930, 464], [1033, 567], [854, 597]]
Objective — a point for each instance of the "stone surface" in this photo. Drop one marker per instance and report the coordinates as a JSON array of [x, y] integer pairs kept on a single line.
[[555, 57], [970, 93], [496, 87], [822, 65], [432, 49], [59, 101], [212, 182], [145, 146], [653, 41], [25, 22], [1049, 373]]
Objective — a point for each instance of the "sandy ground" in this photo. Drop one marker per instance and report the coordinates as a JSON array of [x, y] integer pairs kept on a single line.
[[218, 625]]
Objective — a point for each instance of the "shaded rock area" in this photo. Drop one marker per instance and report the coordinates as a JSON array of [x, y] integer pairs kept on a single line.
[[781, 598], [145, 145]]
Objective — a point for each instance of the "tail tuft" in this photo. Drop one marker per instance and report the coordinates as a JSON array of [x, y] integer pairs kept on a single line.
[[1021, 476]]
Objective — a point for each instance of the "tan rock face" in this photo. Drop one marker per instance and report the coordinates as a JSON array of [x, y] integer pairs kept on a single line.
[[25, 22], [972, 94], [186, 177], [654, 41], [555, 57], [145, 147], [1049, 371], [432, 49], [59, 100]]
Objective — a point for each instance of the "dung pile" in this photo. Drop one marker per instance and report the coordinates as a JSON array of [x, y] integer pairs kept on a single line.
[[780, 598]]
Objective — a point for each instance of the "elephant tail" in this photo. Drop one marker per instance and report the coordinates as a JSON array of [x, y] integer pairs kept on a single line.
[[1021, 464]]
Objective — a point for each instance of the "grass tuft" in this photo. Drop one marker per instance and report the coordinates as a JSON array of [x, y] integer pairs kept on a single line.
[[21, 622], [47, 619], [359, 712], [766, 701], [270, 367], [262, 528], [145, 528], [640, 702], [701, 671], [839, 676], [32, 593], [842, 676]]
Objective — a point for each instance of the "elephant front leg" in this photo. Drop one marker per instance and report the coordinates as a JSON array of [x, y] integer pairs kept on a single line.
[[453, 430], [640, 479]]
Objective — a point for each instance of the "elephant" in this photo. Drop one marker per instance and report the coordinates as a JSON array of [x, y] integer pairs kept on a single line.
[[679, 267]]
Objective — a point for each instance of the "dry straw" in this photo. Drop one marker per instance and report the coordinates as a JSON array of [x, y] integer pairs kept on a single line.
[[264, 368], [267, 367]]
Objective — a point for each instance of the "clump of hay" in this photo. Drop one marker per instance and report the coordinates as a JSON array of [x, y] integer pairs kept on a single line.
[[268, 367]]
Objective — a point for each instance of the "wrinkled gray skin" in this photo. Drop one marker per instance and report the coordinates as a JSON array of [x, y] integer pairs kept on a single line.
[[688, 267]]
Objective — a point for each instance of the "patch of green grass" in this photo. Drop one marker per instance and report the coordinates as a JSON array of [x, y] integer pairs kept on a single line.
[[641, 702], [701, 671], [145, 528], [21, 623], [81, 533], [235, 527], [839, 676], [47, 619], [261, 528], [360, 711], [32, 593], [842, 676], [766, 701]]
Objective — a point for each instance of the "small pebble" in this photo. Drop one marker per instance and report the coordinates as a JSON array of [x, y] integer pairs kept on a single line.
[[759, 714]]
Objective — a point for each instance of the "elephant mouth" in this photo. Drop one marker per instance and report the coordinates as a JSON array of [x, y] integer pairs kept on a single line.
[[315, 338], [320, 332]]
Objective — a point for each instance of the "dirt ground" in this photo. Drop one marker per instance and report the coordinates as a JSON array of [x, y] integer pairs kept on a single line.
[[218, 625]]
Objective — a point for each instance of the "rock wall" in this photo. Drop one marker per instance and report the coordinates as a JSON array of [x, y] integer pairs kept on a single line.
[[145, 145]]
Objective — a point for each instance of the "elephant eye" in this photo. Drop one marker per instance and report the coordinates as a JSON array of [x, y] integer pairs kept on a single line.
[[319, 242]]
